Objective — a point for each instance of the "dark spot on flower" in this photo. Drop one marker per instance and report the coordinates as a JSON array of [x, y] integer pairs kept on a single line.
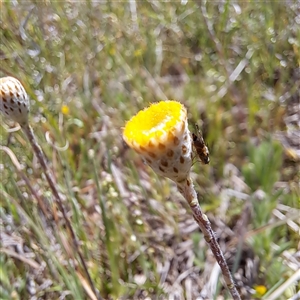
[[150, 145], [176, 140], [170, 153], [161, 146], [149, 161], [161, 169], [164, 162], [152, 154]]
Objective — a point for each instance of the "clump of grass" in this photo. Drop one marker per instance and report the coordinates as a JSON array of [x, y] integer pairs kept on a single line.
[[14, 103], [261, 174]]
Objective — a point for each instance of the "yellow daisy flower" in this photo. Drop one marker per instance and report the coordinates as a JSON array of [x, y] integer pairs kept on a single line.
[[160, 134]]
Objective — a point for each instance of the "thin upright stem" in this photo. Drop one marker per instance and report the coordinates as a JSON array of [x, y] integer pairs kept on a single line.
[[25, 178], [42, 160], [188, 191]]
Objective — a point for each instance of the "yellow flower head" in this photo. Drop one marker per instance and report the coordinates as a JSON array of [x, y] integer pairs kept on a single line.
[[260, 289], [160, 134], [65, 109]]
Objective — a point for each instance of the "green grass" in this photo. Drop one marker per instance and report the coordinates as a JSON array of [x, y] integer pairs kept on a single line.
[[137, 233]]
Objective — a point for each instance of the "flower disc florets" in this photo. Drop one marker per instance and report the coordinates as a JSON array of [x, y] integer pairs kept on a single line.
[[160, 134]]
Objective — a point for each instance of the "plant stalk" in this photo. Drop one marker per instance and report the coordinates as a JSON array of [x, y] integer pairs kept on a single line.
[[42, 160], [188, 191]]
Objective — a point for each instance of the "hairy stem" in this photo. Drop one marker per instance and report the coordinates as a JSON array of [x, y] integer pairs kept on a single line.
[[187, 190], [25, 178], [42, 160]]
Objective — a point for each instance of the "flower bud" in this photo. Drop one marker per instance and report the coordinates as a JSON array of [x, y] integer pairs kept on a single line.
[[14, 101]]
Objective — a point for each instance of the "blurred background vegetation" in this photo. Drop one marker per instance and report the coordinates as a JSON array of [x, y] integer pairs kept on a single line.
[[88, 67]]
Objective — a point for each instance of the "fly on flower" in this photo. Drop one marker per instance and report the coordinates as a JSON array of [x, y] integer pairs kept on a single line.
[[200, 146]]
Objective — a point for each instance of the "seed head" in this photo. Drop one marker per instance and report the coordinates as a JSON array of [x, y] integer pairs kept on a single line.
[[160, 134], [14, 101]]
